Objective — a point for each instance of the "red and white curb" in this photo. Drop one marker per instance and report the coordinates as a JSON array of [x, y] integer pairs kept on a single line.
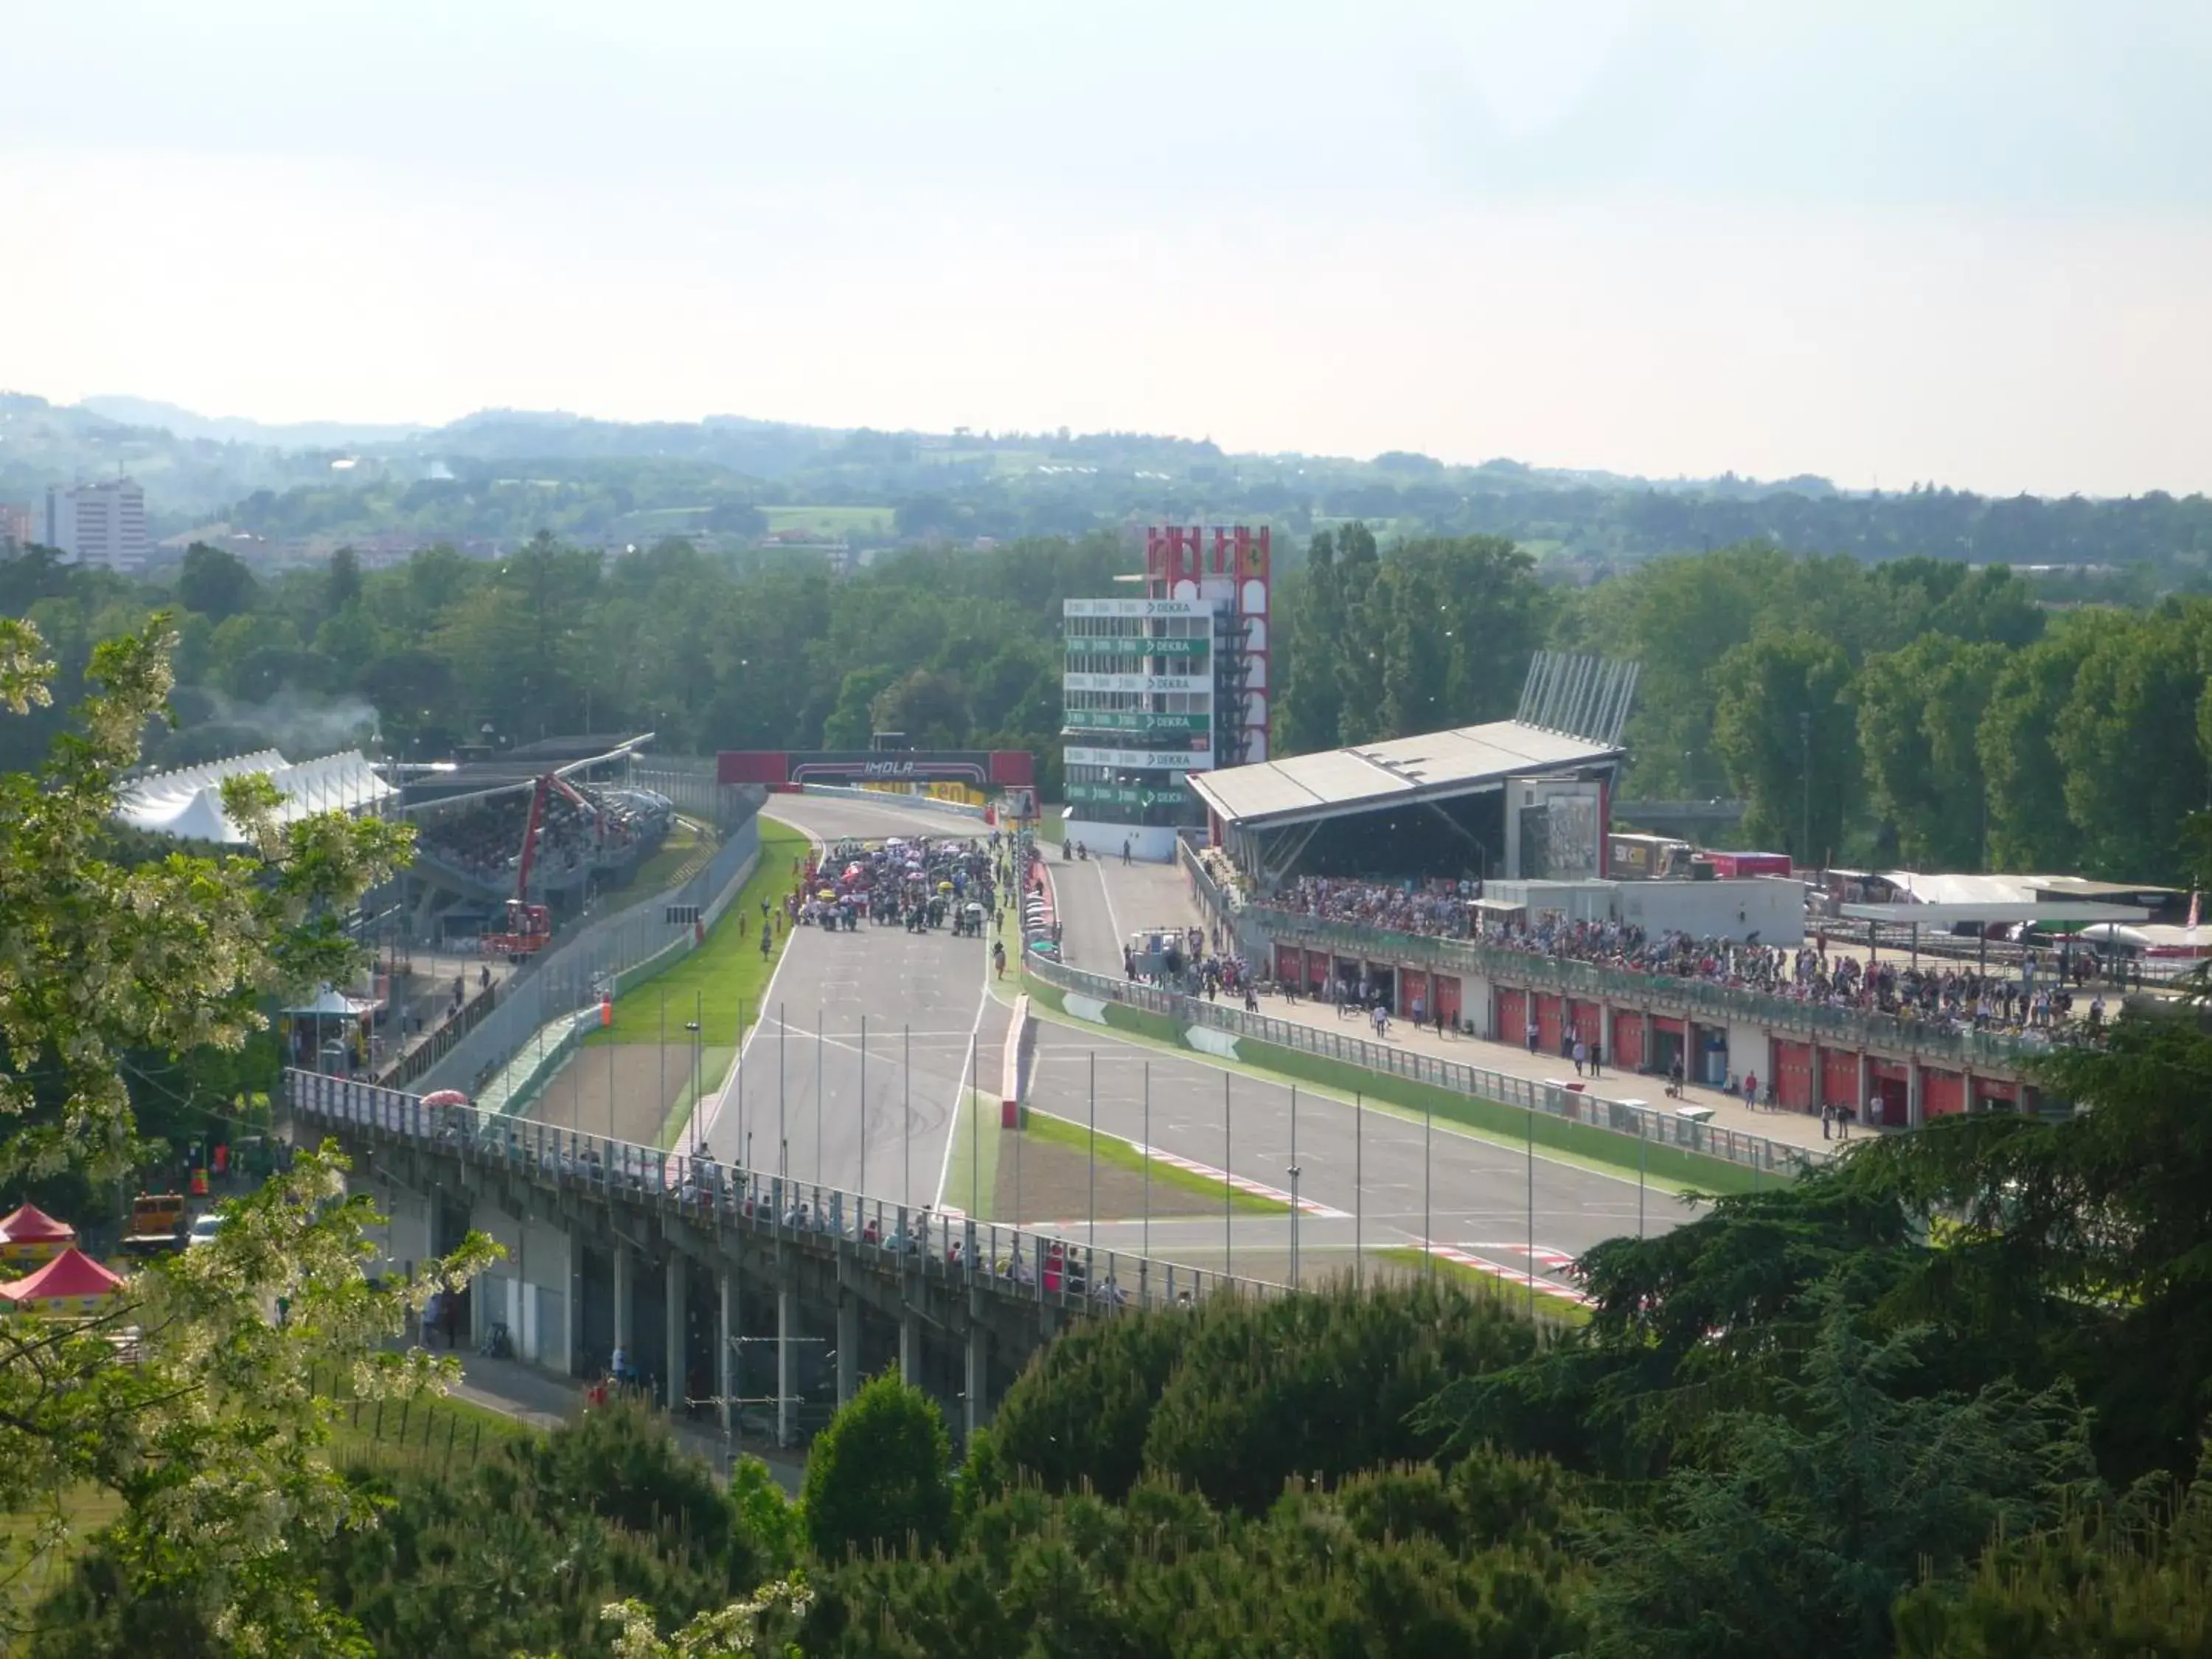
[[1461, 1258], [1241, 1183]]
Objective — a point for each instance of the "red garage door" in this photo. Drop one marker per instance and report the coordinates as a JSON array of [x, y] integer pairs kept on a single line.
[[1549, 1013], [1289, 965], [1414, 996], [1839, 1078], [1446, 990], [1627, 1042], [1589, 1020], [1793, 1075], [1886, 1079], [1316, 972], [1942, 1094], [1512, 1017]]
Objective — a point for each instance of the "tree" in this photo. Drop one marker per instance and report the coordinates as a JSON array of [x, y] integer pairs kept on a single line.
[[342, 586], [880, 1475], [1318, 1386], [1919, 711], [216, 584], [213, 1440], [1309, 707], [2128, 741], [1782, 729], [1803, 1522], [2029, 826]]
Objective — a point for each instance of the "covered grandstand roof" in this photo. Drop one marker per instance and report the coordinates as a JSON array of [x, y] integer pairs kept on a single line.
[[1306, 788], [186, 805]]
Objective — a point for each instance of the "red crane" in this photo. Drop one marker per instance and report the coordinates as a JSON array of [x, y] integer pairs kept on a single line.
[[530, 927]]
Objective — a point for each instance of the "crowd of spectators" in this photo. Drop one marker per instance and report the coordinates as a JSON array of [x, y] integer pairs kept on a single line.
[[1435, 907], [2037, 998], [2032, 996], [483, 838]]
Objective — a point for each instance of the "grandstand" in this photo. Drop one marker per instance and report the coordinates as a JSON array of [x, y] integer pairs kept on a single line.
[[592, 827], [186, 805]]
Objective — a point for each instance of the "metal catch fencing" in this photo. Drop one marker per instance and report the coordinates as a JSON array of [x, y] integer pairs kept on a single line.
[[1017, 1261], [1630, 1119], [598, 959]]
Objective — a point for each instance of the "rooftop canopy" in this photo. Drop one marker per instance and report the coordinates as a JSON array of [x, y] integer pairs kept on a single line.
[[1992, 911], [1434, 766]]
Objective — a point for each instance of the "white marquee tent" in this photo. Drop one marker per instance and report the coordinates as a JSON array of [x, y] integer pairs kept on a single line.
[[186, 805]]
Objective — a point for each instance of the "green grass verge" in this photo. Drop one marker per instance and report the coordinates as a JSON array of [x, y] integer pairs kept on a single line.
[[1670, 1167], [972, 1175], [1496, 1118], [1043, 1127], [428, 1435], [709, 983], [1555, 1308]]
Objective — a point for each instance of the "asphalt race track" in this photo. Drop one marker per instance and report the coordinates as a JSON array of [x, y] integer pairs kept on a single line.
[[1474, 1197], [891, 1144], [1379, 1169]]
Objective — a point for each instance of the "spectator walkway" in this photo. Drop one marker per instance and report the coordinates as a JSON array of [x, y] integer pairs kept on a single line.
[[1145, 887], [1792, 1128]]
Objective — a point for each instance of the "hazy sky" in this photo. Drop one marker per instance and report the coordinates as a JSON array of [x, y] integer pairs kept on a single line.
[[1946, 240]]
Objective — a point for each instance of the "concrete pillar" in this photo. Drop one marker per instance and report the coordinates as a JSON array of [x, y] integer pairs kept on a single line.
[[726, 1351], [678, 1282], [979, 1365], [625, 1303], [1866, 1084], [848, 1346], [1820, 1094], [911, 1348], [786, 1381], [1915, 1104], [571, 1310]]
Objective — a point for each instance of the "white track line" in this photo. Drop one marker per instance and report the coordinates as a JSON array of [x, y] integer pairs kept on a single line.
[[952, 1130], [1511, 1275], [708, 1119]]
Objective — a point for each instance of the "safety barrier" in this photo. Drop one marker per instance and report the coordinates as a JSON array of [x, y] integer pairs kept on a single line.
[[598, 959], [1010, 1066], [1026, 1262], [1632, 1120]]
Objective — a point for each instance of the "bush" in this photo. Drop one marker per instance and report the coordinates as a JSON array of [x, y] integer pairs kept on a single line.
[[880, 1474], [1319, 1386]]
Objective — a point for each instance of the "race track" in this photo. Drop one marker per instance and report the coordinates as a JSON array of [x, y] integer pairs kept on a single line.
[[1372, 1179], [918, 993]]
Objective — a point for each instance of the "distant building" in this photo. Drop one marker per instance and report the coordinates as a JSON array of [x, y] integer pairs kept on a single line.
[[14, 528], [101, 524]]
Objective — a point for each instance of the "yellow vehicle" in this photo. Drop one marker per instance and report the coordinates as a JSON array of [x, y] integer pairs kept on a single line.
[[157, 1224]]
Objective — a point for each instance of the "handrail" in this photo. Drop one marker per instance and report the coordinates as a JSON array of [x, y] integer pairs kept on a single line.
[[1038, 1265], [1632, 1120]]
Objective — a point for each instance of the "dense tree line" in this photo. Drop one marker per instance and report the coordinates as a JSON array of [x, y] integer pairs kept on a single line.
[[1945, 1397], [711, 651], [1914, 712]]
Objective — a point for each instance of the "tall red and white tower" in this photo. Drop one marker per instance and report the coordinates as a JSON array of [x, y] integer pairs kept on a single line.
[[1229, 567]]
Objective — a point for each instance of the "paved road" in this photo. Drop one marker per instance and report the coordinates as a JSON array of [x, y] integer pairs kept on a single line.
[[1388, 1181], [1376, 1166], [1102, 903], [922, 991], [1478, 1194]]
